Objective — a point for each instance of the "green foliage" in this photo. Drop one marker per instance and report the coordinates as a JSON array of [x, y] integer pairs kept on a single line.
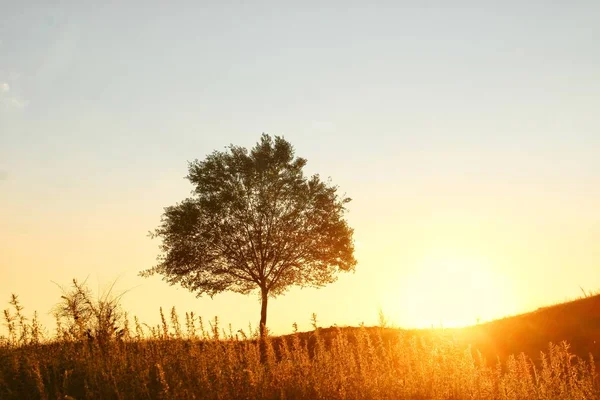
[[255, 222]]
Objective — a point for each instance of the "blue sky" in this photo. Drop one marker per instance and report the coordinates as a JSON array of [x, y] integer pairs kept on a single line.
[[473, 127]]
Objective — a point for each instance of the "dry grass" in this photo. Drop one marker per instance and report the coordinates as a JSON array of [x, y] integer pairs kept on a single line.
[[109, 359]]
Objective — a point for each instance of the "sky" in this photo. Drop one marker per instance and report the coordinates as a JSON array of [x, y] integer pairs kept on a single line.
[[467, 136]]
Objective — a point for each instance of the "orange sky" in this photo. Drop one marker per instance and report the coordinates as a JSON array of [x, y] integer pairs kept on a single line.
[[467, 137]]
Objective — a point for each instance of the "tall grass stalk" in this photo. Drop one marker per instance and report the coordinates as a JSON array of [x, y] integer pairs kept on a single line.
[[168, 362]]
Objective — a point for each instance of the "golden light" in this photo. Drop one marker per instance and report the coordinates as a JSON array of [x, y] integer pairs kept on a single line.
[[449, 290]]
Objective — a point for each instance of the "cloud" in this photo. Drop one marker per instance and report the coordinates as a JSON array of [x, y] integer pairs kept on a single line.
[[11, 95], [9, 99], [12, 102], [3, 175]]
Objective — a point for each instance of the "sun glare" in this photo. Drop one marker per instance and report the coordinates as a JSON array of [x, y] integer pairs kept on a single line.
[[450, 291]]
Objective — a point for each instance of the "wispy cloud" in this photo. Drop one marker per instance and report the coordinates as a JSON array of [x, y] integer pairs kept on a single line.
[[10, 99], [14, 103]]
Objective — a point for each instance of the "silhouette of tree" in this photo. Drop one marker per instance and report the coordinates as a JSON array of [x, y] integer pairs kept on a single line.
[[254, 223]]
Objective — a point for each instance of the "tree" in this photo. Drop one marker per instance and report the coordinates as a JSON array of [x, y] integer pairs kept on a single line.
[[254, 223]]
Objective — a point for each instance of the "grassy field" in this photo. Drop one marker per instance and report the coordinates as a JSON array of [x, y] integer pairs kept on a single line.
[[115, 359]]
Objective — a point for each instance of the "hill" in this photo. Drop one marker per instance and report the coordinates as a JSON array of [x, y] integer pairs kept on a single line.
[[577, 322]]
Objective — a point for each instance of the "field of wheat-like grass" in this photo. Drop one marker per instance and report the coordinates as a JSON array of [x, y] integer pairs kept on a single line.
[[203, 361]]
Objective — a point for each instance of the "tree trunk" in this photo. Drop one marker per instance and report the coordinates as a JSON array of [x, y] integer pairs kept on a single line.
[[263, 325], [263, 312]]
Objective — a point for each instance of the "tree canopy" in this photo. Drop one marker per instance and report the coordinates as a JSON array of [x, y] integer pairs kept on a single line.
[[254, 222]]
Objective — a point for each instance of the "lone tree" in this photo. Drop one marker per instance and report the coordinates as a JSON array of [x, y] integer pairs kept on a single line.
[[255, 222]]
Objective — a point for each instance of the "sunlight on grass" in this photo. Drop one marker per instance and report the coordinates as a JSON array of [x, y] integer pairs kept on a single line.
[[105, 356]]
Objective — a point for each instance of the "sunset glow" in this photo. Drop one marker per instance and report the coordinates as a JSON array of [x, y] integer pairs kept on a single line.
[[300, 200], [467, 138], [451, 291]]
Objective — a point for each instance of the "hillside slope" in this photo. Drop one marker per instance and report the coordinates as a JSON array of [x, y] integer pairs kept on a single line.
[[577, 322]]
